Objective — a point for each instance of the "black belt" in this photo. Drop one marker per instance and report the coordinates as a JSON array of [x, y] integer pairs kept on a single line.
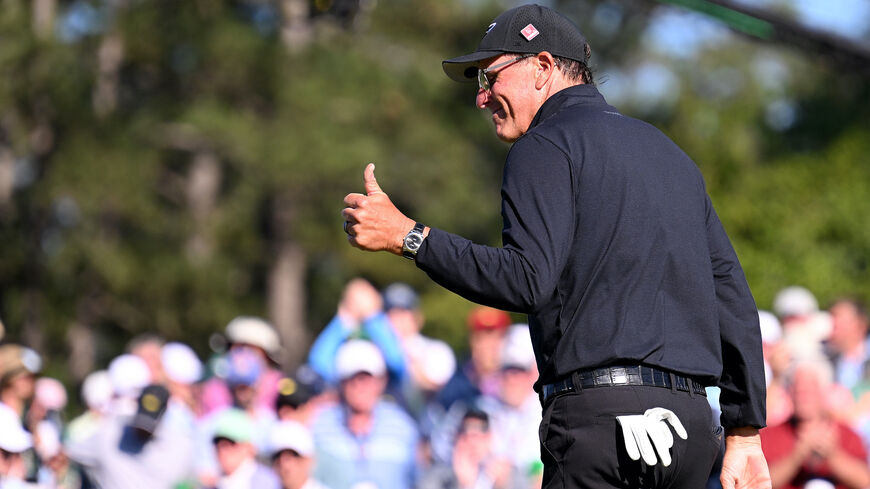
[[616, 376]]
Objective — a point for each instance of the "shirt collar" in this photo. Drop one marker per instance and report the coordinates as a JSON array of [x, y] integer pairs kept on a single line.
[[583, 94]]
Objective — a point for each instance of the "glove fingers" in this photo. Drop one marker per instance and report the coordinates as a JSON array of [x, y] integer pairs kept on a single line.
[[628, 438], [662, 440], [678, 426], [641, 436]]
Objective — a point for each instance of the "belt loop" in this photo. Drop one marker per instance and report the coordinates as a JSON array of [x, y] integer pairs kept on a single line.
[[673, 381], [575, 378], [690, 386]]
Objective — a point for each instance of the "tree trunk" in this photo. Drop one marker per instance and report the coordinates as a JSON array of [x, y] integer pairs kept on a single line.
[[203, 185], [44, 13], [286, 287], [7, 180], [109, 58]]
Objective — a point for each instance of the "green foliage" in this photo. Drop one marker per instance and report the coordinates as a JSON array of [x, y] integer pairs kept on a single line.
[[100, 229]]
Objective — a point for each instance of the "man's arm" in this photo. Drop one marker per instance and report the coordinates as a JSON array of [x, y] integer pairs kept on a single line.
[[539, 221], [742, 381]]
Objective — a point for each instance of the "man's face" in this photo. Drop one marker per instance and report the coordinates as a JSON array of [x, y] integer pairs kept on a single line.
[[512, 98], [231, 455], [362, 391], [292, 468], [848, 325]]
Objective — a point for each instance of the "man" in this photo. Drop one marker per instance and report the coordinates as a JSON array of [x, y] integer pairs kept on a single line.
[[364, 440], [14, 441], [480, 373], [847, 346], [19, 367], [293, 455], [137, 451], [814, 445], [237, 455], [636, 299], [359, 315], [473, 461]]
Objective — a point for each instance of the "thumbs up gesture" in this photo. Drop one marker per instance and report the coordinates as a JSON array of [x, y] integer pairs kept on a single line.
[[372, 222]]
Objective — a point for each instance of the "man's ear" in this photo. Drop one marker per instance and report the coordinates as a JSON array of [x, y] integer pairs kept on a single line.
[[546, 68]]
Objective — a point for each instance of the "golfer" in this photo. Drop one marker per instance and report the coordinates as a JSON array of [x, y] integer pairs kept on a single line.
[[635, 297]]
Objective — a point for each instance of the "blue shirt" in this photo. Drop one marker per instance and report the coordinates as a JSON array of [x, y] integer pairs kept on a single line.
[[385, 457]]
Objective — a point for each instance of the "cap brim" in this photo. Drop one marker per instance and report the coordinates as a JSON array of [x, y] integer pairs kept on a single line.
[[464, 68]]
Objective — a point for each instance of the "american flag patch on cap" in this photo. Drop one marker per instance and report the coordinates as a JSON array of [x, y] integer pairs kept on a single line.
[[529, 32]]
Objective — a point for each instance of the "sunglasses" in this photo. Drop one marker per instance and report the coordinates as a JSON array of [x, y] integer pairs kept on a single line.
[[483, 79]]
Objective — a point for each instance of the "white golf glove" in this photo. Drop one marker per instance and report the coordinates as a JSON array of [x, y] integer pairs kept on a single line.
[[639, 429]]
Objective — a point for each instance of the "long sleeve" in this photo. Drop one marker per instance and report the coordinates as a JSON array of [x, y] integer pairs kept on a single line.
[[742, 381], [538, 215], [375, 328]]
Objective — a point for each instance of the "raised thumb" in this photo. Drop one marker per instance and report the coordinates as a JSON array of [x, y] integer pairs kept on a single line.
[[371, 182]]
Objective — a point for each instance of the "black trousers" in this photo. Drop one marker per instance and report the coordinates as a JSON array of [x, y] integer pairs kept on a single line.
[[582, 444]]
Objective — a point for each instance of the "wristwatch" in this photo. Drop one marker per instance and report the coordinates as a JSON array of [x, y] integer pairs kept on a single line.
[[413, 240]]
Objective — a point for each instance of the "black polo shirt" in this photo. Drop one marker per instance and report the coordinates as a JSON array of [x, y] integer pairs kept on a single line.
[[612, 247]]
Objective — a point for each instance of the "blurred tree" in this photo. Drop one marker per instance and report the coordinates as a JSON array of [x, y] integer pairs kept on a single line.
[[166, 166]]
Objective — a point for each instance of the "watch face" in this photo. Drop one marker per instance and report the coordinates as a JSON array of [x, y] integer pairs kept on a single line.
[[413, 241]]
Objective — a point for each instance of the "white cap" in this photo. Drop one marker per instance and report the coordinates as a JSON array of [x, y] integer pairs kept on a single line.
[[517, 350], [129, 375], [795, 301], [181, 363], [97, 390], [439, 362], [356, 356], [771, 329], [291, 435], [249, 330], [14, 439], [50, 393]]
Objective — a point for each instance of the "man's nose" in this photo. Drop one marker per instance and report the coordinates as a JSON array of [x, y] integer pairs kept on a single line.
[[482, 98]]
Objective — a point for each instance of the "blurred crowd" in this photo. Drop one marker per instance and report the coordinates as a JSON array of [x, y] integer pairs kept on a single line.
[[379, 405], [376, 405]]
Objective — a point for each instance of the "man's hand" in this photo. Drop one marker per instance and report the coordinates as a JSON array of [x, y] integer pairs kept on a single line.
[[744, 466], [360, 301], [373, 222]]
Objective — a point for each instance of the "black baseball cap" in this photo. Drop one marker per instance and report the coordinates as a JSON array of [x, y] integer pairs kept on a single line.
[[524, 29], [152, 405]]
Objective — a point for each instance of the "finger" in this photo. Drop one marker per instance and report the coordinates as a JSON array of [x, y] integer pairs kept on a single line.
[[349, 215], [662, 441], [354, 200], [678, 426], [371, 182]]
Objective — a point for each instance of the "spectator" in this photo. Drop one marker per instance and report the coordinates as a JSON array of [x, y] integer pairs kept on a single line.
[[243, 369], [473, 462], [129, 375], [55, 470], [515, 413], [429, 363], [14, 441], [148, 347], [479, 374], [293, 456], [360, 315], [847, 345], [804, 326], [261, 340], [138, 451], [364, 439], [236, 454], [19, 366], [814, 445], [295, 401], [97, 394], [776, 362]]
